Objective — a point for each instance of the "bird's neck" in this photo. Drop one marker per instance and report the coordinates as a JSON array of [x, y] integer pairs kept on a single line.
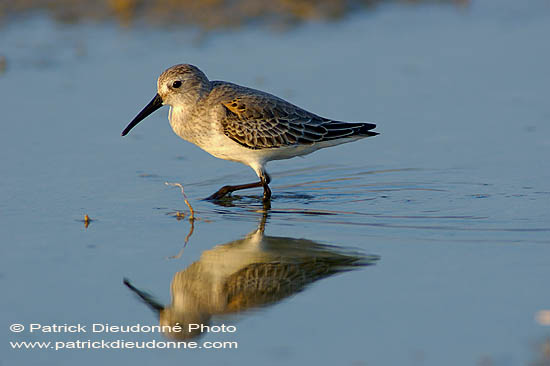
[[182, 122], [179, 114], [182, 110]]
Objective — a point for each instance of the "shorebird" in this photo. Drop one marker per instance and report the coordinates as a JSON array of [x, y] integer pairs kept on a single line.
[[241, 124]]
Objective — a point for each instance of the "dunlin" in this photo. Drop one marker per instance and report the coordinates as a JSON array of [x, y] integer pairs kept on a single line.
[[237, 123]]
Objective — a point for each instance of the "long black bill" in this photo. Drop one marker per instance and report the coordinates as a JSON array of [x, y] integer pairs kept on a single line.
[[153, 105]]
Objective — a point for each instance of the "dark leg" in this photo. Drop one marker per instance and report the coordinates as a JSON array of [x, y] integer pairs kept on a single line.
[[265, 179], [264, 182], [228, 189]]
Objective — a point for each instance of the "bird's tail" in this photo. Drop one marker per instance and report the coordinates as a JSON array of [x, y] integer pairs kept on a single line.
[[366, 129], [337, 130]]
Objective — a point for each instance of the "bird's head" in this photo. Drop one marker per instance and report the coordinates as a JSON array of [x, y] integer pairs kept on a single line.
[[178, 85]]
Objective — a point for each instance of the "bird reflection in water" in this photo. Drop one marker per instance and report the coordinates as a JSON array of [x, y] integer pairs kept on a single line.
[[253, 272]]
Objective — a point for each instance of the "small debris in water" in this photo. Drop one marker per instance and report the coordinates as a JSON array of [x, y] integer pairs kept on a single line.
[[178, 214], [3, 64], [543, 317], [86, 221]]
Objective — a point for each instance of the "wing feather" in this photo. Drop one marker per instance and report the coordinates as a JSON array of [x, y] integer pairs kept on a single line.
[[259, 120]]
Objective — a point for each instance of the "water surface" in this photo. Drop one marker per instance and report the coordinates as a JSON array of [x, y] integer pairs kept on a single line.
[[451, 198]]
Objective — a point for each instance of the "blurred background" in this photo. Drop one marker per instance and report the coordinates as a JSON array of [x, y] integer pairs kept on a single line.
[[446, 209], [208, 15]]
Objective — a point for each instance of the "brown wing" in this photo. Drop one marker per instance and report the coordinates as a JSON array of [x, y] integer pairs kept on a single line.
[[263, 121]]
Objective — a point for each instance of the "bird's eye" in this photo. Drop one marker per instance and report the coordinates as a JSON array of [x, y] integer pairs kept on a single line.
[[176, 84]]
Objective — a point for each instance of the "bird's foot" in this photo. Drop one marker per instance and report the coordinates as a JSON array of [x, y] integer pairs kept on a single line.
[[225, 190], [221, 193]]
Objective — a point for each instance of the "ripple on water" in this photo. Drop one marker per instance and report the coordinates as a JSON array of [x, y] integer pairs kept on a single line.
[[390, 200]]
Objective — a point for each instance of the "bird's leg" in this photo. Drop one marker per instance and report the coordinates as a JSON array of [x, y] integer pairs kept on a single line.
[[223, 191], [265, 179], [264, 182]]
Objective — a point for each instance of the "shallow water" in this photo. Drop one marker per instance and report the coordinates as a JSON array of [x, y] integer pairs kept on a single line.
[[451, 198]]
